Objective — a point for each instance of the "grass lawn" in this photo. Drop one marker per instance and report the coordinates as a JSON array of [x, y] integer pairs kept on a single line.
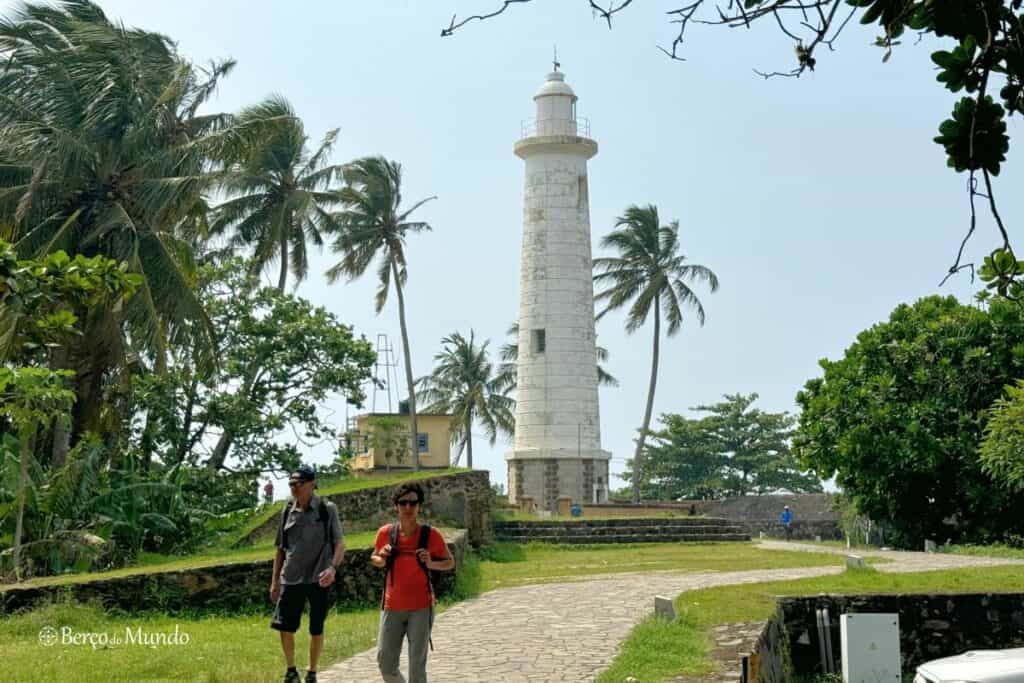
[[152, 562], [657, 650], [994, 550], [511, 564], [221, 648]]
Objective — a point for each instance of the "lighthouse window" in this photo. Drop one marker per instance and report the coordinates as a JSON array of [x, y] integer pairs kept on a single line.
[[537, 341]]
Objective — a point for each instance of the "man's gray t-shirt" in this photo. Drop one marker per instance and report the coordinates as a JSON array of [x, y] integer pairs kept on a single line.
[[308, 552]]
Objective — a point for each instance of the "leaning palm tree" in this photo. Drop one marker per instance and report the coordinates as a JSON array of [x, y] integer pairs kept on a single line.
[[102, 152], [509, 354], [374, 226], [464, 384], [649, 274], [280, 196]]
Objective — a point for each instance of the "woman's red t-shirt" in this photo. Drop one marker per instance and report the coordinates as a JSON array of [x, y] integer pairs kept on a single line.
[[407, 587]]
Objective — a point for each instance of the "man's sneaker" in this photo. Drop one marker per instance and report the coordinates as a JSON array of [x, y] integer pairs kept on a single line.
[[310, 677], [292, 676]]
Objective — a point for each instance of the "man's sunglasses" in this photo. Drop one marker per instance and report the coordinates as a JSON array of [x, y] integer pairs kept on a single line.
[[407, 503], [295, 483]]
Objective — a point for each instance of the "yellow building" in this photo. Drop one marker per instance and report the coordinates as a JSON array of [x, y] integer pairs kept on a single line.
[[434, 443]]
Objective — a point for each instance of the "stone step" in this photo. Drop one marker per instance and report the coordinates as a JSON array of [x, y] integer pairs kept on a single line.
[[605, 523], [620, 531], [629, 538]]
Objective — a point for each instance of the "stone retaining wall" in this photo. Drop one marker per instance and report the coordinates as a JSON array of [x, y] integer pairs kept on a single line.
[[228, 587], [931, 626], [631, 530], [802, 530], [463, 499]]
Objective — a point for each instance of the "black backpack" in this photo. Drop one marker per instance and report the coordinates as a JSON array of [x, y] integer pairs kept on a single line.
[[322, 516], [389, 563]]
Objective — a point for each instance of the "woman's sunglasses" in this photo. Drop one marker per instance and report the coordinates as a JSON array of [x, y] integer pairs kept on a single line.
[[408, 503]]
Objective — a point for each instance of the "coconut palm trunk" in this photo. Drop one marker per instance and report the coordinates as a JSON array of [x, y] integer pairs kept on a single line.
[[638, 455], [469, 443], [408, 366], [282, 279]]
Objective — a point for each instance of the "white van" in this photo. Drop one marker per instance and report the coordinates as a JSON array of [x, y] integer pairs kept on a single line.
[[976, 666]]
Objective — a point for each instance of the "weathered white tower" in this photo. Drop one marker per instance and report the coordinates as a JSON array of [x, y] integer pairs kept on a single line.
[[557, 450]]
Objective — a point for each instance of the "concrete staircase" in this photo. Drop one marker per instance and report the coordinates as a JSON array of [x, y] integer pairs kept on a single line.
[[631, 530]]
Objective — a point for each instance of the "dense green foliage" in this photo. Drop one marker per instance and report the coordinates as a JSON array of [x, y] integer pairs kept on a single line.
[[1002, 451], [899, 419], [187, 378], [289, 356], [733, 450]]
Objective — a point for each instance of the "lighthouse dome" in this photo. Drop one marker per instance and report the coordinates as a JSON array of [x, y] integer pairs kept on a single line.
[[554, 85]]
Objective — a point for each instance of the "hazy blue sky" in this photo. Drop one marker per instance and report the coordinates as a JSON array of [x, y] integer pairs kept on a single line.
[[820, 202]]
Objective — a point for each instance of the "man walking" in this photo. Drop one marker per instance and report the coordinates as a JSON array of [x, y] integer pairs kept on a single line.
[[310, 548], [787, 522], [268, 492], [408, 551]]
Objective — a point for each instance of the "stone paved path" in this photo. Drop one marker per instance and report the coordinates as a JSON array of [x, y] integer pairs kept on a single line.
[[568, 632]]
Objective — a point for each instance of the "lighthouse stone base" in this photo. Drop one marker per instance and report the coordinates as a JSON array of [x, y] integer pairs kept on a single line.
[[546, 474]]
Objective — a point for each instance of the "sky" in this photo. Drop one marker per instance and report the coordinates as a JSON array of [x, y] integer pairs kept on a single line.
[[820, 202]]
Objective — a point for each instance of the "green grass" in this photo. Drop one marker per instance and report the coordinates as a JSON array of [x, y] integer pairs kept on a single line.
[[153, 562], [994, 550], [221, 648], [657, 650], [510, 564]]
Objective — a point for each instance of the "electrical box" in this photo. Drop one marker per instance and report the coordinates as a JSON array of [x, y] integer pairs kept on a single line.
[[870, 648]]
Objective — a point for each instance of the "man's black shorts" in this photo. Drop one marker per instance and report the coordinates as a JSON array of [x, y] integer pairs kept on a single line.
[[288, 614]]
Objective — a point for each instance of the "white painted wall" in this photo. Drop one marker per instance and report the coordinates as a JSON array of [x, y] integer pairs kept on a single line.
[[557, 411]]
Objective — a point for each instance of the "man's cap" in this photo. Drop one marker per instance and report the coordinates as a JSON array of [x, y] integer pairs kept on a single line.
[[786, 507], [303, 472]]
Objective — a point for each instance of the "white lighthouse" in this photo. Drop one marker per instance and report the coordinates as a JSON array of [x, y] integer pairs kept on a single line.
[[557, 450]]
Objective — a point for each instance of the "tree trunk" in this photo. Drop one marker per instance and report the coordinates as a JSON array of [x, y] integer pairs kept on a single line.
[[469, 443], [282, 279], [408, 367], [650, 402], [27, 438]]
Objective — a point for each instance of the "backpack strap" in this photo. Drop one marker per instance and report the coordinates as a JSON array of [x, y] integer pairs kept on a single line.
[[424, 544], [389, 561], [325, 520], [284, 520]]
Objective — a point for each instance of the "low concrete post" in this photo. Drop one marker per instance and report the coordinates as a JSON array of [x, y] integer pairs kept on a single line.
[[664, 608]]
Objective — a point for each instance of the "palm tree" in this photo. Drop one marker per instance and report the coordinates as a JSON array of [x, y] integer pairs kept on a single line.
[[280, 194], [374, 226], [509, 353], [102, 152], [463, 383], [649, 274]]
